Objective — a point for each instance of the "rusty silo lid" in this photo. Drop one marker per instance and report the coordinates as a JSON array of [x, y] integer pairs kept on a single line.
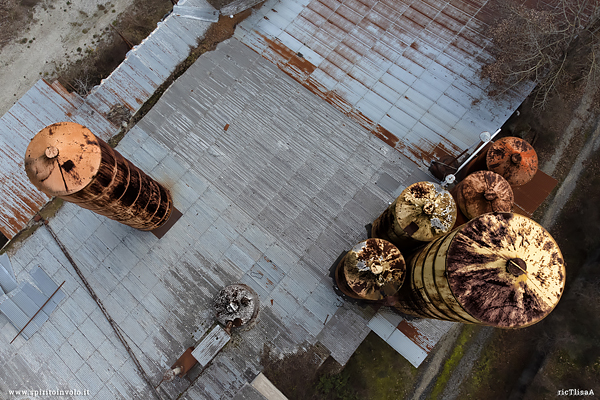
[[62, 158], [505, 270], [374, 269], [483, 192], [514, 159], [425, 211]]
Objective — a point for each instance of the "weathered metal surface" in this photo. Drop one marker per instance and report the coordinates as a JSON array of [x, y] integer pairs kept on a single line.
[[406, 71], [238, 6], [422, 212], [514, 159], [66, 160], [530, 196], [500, 269], [203, 14], [483, 192], [7, 282], [210, 346], [185, 362], [236, 305], [372, 270], [6, 264]]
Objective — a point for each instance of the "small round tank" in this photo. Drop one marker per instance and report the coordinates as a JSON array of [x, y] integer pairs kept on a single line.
[[66, 160], [372, 270], [422, 212], [514, 159], [483, 192], [499, 269]]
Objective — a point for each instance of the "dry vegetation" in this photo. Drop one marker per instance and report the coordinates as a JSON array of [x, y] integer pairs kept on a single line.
[[552, 46], [129, 29], [13, 13]]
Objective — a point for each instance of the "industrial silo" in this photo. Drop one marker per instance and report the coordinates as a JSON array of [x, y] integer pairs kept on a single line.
[[422, 212], [483, 192], [66, 160], [499, 269], [372, 270], [514, 159]]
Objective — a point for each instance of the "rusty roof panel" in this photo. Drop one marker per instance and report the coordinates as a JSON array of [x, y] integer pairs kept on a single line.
[[360, 7]]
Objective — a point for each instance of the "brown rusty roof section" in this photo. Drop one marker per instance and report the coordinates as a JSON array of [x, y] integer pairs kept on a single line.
[[505, 270], [415, 335], [408, 71], [530, 196]]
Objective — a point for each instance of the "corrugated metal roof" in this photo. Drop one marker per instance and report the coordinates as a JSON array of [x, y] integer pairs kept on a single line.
[[406, 70]]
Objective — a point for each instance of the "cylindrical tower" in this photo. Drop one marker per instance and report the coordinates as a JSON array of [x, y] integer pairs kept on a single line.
[[499, 269], [422, 212], [66, 160], [372, 270], [514, 159], [483, 192]]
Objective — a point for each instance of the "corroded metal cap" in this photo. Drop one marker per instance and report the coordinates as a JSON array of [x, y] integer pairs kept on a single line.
[[514, 159], [483, 192], [236, 305], [425, 211], [62, 158], [374, 269], [505, 270]]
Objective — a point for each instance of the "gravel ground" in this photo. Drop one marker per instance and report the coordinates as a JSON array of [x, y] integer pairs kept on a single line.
[[59, 32]]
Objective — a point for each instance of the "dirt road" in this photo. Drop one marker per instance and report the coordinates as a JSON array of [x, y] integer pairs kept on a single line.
[[58, 32]]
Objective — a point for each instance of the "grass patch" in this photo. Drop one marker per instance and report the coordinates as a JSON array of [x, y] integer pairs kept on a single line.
[[452, 362], [377, 372]]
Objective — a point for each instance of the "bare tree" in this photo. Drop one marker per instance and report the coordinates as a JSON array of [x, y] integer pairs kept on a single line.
[[549, 45]]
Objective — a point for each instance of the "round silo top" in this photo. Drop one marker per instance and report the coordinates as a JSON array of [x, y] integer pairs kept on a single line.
[[514, 159], [505, 270], [62, 158], [483, 192], [374, 269], [425, 211]]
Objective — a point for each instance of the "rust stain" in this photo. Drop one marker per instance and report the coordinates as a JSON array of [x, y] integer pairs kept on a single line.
[[301, 69], [414, 335], [292, 58], [363, 120], [226, 127], [388, 137]]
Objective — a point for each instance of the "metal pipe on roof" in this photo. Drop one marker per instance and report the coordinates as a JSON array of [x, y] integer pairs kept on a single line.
[[449, 179]]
